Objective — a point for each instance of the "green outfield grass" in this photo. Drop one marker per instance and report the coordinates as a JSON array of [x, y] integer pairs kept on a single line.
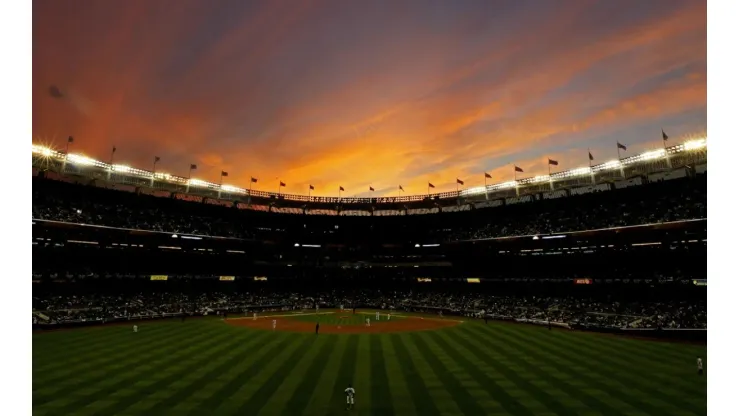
[[205, 367]]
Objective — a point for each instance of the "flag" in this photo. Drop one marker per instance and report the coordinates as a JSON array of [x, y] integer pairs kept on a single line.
[[372, 189], [156, 159], [518, 169], [70, 139], [341, 188], [282, 184], [429, 184], [460, 182], [193, 167], [114, 149], [552, 162], [665, 136], [224, 173], [254, 180], [400, 188], [487, 175], [310, 187], [590, 156], [621, 146]]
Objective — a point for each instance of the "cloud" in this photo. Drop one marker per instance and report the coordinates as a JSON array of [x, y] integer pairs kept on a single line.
[[348, 93]]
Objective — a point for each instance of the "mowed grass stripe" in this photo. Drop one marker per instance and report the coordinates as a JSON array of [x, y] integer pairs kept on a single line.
[[100, 348], [294, 377], [61, 340], [403, 402], [241, 367], [419, 392], [192, 376], [464, 353], [115, 382], [580, 363], [321, 397], [268, 387], [440, 392], [617, 363], [98, 367], [460, 394], [361, 379], [162, 379], [659, 350], [481, 345], [309, 381], [248, 386], [379, 384], [345, 376], [668, 374]]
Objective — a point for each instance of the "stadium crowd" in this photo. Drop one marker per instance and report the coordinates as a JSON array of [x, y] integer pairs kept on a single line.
[[672, 200], [570, 310]]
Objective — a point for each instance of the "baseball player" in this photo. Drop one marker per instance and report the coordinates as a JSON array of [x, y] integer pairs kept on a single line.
[[274, 324], [136, 328], [377, 316], [367, 321], [389, 317], [254, 316], [699, 366], [350, 392]]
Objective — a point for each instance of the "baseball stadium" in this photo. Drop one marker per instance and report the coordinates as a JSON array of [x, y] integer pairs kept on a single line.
[[581, 292]]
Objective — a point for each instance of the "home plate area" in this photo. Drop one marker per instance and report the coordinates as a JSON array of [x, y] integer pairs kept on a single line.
[[342, 322]]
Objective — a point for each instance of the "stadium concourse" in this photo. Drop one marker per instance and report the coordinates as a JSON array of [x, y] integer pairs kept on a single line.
[[536, 284]]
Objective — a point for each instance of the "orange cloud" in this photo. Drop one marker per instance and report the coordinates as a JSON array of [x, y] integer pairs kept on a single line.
[[331, 94]]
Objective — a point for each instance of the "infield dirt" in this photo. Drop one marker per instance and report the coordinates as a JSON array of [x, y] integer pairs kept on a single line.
[[407, 324]]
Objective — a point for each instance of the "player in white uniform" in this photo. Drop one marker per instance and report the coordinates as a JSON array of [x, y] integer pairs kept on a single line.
[[274, 324], [377, 316], [389, 317], [350, 392], [136, 328], [367, 321], [254, 316], [699, 366]]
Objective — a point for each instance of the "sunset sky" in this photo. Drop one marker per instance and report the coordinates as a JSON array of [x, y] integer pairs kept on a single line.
[[360, 93]]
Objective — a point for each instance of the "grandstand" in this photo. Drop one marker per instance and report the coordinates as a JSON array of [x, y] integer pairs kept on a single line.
[[511, 287], [656, 165]]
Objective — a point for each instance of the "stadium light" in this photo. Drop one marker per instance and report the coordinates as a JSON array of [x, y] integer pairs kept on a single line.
[[689, 145]]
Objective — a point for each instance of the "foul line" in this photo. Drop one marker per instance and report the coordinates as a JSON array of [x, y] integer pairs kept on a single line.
[[281, 316]]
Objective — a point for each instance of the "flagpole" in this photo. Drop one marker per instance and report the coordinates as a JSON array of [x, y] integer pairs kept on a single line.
[[309, 193], [665, 148], [110, 165], [485, 184], [590, 166]]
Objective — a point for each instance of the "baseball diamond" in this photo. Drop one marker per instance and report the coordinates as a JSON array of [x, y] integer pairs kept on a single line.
[[210, 367]]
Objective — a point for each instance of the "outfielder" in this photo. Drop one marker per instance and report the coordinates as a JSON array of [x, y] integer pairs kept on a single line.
[[350, 392], [274, 324], [136, 328], [377, 316], [367, 321]]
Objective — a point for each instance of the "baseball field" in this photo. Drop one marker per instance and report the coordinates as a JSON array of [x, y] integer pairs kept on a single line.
[[405, 366]]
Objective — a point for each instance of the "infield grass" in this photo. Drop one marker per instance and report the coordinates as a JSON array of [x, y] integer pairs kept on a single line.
[[205, 367]]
